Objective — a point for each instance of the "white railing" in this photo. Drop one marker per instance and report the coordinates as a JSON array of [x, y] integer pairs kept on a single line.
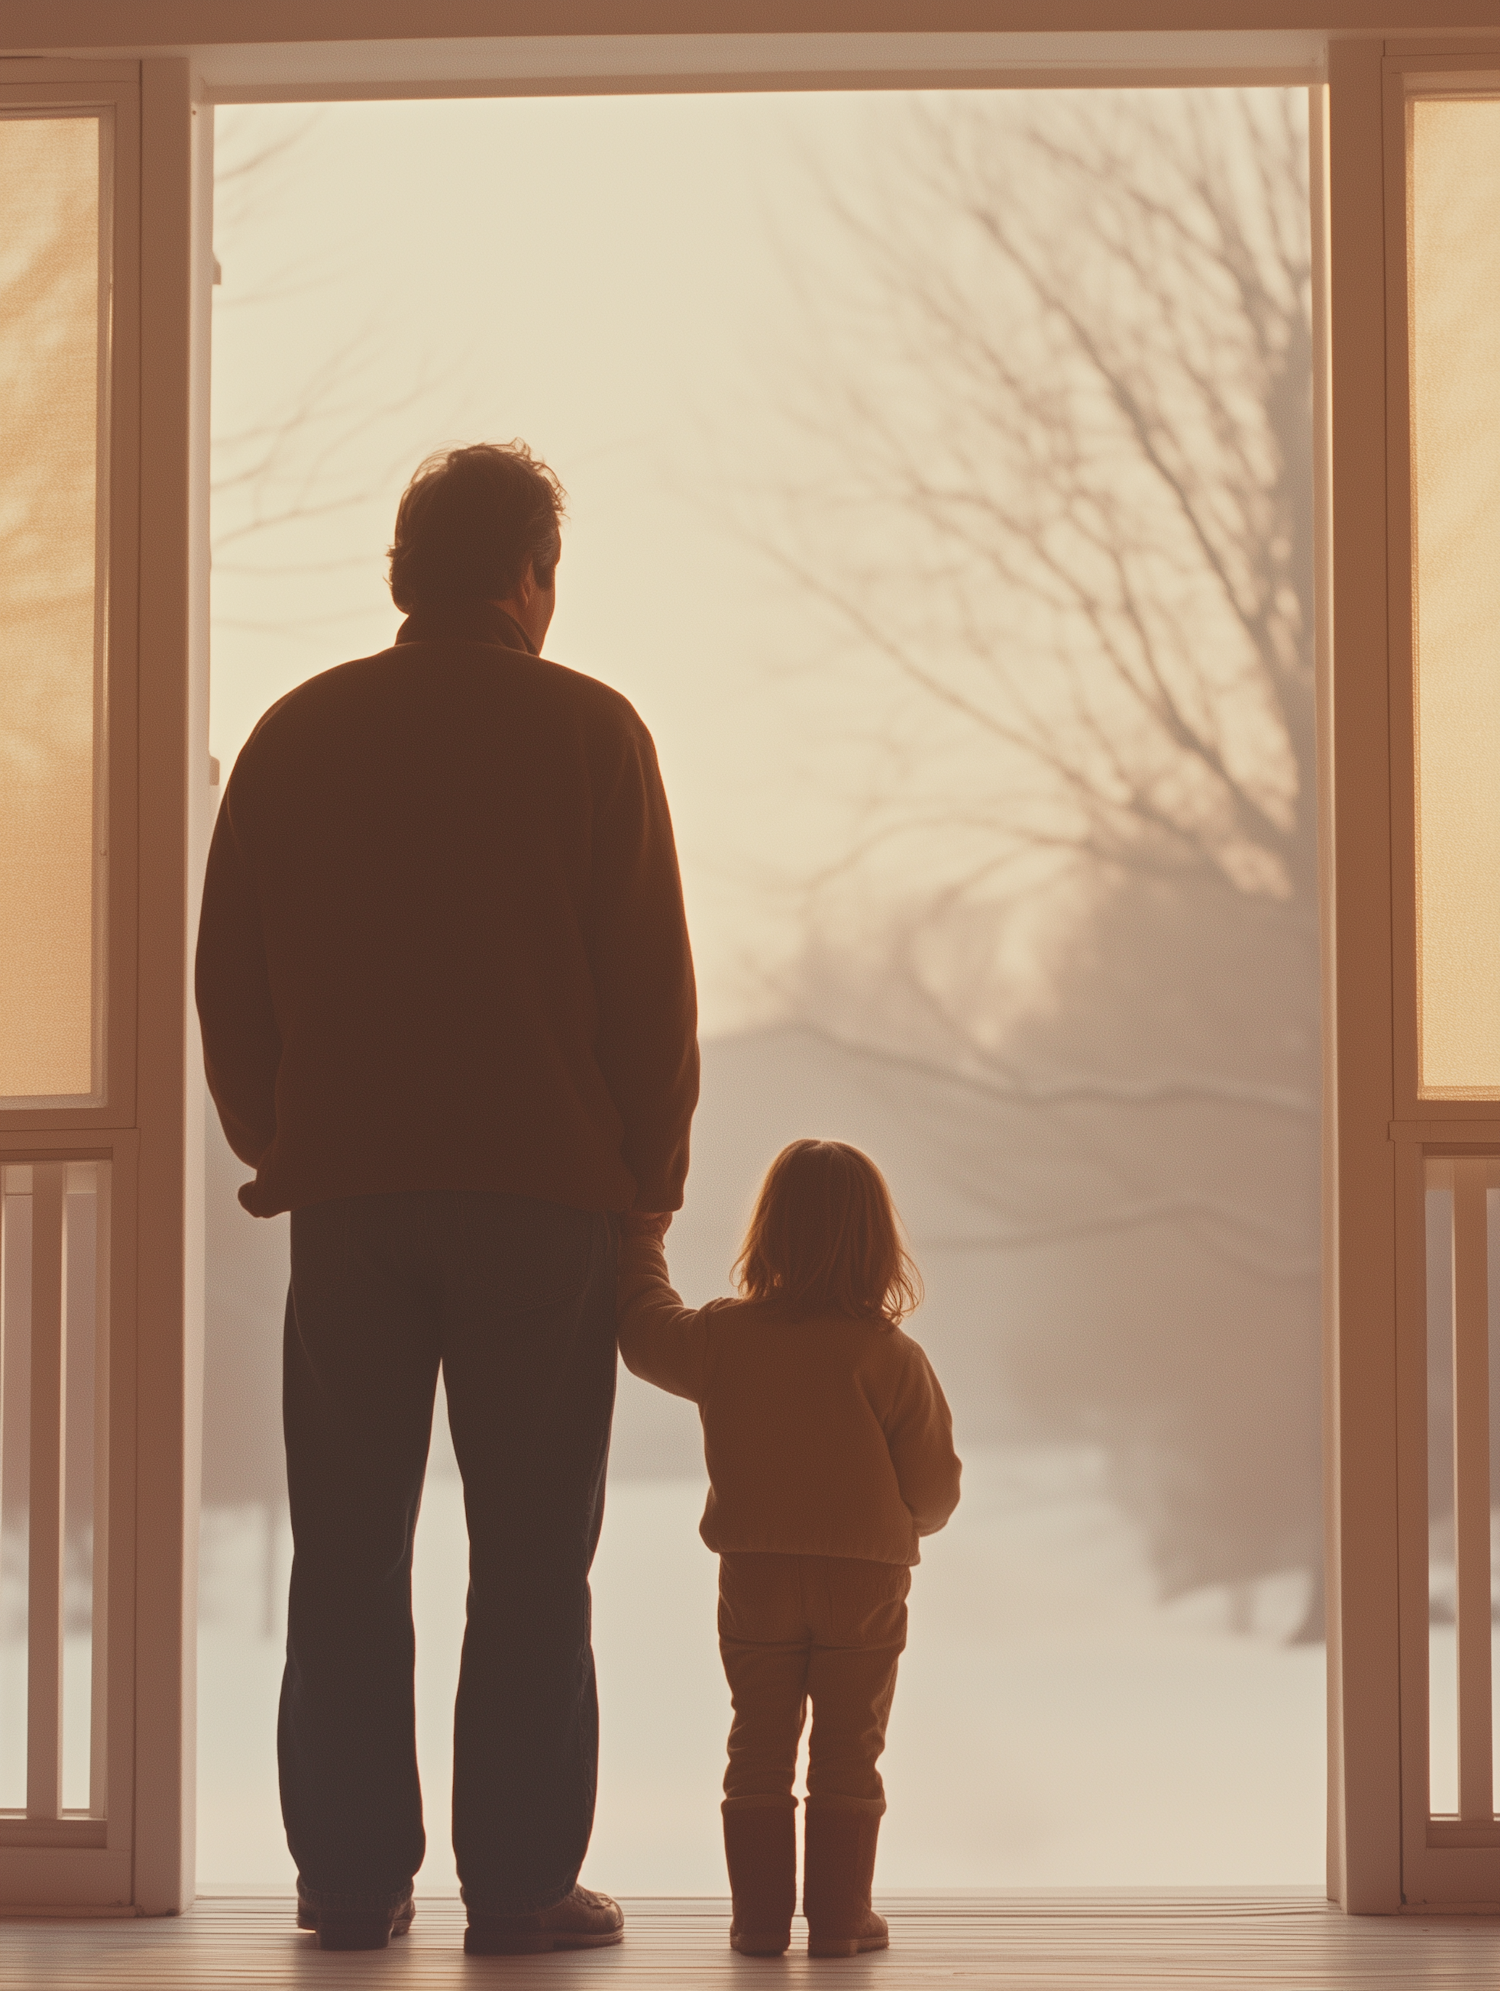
[[47, 1339]]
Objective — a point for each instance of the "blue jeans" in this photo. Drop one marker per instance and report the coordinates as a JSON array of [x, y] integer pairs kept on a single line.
[[515, 1300]]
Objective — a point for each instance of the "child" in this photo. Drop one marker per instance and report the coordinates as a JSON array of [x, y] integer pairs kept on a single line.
[[830, 1451]]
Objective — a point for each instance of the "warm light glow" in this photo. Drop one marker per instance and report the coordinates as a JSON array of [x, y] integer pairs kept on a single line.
[[50, 369], [683, 308], [1454, 225]]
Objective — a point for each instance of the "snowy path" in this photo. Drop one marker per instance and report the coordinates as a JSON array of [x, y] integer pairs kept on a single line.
[[1053, 1726]]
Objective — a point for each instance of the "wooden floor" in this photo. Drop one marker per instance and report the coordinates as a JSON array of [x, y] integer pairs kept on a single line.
[[1066, 1942]]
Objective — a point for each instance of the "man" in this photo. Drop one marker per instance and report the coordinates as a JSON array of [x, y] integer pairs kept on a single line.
[[448, 1018]]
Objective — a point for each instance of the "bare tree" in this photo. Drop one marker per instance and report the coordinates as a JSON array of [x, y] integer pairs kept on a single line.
[[308, 457], [1067, 504]]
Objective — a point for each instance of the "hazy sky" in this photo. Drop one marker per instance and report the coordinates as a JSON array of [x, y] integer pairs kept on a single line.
[[658, 295], [616, 281]]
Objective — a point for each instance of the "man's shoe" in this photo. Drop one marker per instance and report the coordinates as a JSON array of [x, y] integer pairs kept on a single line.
[[582, 1920], [354, 1928]]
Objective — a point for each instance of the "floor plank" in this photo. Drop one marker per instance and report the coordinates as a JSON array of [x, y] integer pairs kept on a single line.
[[1219, 1941]]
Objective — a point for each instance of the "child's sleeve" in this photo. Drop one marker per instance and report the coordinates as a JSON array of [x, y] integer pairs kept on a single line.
[[661, 1340], [920, 1435]]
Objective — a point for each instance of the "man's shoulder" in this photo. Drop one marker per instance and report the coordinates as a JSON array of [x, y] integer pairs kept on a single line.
[[306, 700], [592, 696], [336, 696]]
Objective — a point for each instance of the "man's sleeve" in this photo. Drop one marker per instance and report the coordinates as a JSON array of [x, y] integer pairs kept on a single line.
[[241, 1043], [643, 966]]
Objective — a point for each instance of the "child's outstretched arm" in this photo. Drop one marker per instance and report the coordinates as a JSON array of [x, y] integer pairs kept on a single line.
[[662, 1341], [920, 1435]]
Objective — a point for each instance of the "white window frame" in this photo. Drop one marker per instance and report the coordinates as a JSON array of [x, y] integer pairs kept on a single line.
[[73, 1859]]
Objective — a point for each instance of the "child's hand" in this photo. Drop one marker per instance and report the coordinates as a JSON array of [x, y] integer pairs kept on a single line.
[[647, 1223]]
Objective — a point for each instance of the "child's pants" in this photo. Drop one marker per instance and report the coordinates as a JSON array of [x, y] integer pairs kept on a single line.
[[794, 1628]]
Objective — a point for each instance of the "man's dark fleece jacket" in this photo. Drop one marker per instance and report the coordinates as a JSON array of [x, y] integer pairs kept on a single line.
[[443, 943]]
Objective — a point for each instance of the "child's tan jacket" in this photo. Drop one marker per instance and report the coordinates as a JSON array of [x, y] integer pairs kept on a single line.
[[826, 1436]]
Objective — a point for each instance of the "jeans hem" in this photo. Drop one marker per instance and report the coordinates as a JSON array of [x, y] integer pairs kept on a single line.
[[509, 1910], [353, 1901]]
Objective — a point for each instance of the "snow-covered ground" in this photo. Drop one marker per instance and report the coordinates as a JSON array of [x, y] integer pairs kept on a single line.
[[1054, 1724]]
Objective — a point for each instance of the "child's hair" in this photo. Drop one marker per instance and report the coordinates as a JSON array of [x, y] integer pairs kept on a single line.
[[825, 1238]]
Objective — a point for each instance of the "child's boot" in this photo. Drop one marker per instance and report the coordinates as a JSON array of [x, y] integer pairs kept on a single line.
[[760, 1849], [838, 1865]]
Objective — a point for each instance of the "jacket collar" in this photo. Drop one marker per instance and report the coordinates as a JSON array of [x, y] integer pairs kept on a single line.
[[464, 622]]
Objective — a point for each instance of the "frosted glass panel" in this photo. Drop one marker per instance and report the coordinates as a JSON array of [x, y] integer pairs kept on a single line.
[[51, 353], [1455, 255]]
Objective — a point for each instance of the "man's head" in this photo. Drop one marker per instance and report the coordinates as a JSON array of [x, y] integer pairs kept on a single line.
[[480, 524]]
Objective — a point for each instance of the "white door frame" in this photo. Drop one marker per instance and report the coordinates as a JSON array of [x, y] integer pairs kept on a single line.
[[1450, 1862], [160, 1413]]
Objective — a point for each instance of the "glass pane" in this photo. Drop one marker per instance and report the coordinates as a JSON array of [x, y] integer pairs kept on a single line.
[[1455, 332], [51, 367], [15, 1477], [82, 1483], [1095, 1091], [1444, 1397], [1492, 1298], [1442, 1652]]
